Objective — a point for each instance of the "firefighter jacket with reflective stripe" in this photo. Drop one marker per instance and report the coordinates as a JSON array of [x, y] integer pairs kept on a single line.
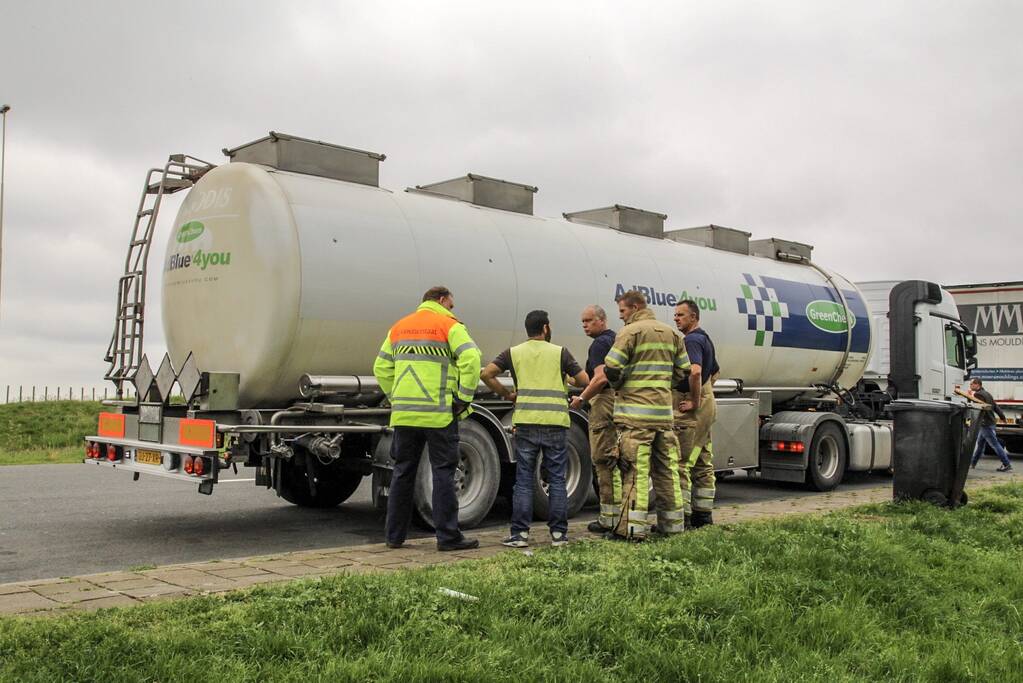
[[540, 384], [427, 360], [647, 359]]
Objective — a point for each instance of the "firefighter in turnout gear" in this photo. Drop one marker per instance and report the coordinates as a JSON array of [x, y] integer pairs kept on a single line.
[[428, 366], [695, 413], [647, 359]]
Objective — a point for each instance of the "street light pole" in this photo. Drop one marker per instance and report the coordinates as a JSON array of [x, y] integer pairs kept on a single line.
[[3, 160]]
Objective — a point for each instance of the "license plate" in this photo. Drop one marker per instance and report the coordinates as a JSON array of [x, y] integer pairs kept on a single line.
[[149, 457]]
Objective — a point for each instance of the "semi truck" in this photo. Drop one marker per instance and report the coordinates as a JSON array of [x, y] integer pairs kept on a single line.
[[994, 311], [286, 266]]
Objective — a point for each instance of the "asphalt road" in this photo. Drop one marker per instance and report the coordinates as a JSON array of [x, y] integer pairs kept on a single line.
[[65, 520]]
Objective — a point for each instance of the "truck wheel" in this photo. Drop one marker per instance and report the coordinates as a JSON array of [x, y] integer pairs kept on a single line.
[[334, 485], [827, 459], [476, 479], [578, 477]]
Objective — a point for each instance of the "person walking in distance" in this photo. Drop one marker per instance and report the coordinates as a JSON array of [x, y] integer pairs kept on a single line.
[[987, 427], [600, 398], [541, 423], [695, 412], [647, 359], [428, 367]]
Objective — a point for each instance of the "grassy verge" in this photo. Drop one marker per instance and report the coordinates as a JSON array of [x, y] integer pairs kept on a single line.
[[884, 592], [45, 432]]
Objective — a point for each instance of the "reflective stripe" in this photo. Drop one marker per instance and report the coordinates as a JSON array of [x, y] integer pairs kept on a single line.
[[610, 508], [654, 411], [385, 356], [652, 367], [656, 346], [654, 383], [542, 393], [703, 492], [671, 514], [544, 407], [682, 361], [465, 347], [615, 358], [412, 408], [442, 360], [433, 343], [463, 391]]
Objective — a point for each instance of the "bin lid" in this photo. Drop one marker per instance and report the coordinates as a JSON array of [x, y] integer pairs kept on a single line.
[[908, 404]]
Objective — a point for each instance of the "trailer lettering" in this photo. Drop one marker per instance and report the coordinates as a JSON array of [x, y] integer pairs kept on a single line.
[[656, 298]]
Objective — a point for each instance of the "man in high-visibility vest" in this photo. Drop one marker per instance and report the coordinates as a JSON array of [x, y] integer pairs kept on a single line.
[[600, 398], [647, 359], [541, 423], [428, 366], [695, 414]]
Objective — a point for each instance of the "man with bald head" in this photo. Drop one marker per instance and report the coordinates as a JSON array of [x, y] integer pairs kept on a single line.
[[600, 398]]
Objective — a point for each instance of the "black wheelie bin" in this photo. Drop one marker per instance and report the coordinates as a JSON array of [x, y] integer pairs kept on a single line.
[[933, 444]]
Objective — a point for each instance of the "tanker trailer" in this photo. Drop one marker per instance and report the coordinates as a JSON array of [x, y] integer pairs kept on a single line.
[[286, 267]]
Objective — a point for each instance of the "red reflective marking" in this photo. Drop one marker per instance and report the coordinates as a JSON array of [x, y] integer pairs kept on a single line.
[[112, 425], [201, 433]]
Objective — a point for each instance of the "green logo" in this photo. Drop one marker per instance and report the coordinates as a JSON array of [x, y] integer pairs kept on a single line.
[[828, 316], [189, 231]]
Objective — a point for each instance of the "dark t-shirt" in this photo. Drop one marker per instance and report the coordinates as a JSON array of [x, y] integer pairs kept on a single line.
[[602, 343], [568, 365], [700, 350]]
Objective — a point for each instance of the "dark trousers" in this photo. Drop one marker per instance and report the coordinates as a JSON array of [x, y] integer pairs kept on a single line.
[[406, 450], [530, 442]]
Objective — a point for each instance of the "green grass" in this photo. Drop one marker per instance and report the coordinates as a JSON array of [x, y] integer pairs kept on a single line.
[[895, 593], [45, 432]]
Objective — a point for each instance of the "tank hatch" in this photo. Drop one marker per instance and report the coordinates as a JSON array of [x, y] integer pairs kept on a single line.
[[483, 191], [312, 157], [715, 237], [781, 250], [624, 218]]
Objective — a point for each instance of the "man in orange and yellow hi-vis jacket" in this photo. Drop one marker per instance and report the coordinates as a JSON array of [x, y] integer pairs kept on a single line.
[[428, 366]]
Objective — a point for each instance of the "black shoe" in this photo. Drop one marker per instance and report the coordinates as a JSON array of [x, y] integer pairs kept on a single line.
[[973, 465], [597, 528], [464, 544], [1004, 468], [701, 518], [612, 536], [395, 546]]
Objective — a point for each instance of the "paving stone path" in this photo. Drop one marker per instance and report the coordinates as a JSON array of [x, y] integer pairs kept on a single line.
[[117, 589]]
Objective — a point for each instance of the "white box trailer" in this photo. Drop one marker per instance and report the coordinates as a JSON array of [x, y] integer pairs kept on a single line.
[[994, 311], [286, 267]]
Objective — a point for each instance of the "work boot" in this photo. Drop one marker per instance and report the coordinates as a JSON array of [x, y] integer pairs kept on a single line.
[[701, 518], [596, 527], [463, 544]]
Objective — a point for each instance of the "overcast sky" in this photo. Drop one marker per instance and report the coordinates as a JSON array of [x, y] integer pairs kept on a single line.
[[886, 134]]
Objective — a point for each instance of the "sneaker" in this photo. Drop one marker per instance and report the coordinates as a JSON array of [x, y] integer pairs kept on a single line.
[[597, 528], [519, 540], [559, 538], [464, 544], [1004, 468]]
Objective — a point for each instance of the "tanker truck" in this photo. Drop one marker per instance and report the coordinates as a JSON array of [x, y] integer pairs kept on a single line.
[[286, 267]]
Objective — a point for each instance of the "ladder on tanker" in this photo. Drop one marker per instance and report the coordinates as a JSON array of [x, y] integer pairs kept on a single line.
[[124, 354]]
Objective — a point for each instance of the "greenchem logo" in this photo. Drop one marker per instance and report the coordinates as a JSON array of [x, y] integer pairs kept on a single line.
[[828, 316], [189, 231]]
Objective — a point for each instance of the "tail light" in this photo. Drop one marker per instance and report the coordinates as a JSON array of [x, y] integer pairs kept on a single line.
[[788, 446], [188, 464], [199, 467], [112, 453], [88, 449], [94, 450]]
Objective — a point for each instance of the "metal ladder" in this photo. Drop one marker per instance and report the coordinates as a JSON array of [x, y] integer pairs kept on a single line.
[[125, 351]]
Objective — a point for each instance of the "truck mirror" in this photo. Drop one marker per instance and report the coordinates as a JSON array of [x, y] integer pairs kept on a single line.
[[970, 341]]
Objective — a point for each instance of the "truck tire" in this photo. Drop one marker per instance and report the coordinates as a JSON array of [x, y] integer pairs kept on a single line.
[[827, 459], [334, 484], [476, 479], [578, 477]]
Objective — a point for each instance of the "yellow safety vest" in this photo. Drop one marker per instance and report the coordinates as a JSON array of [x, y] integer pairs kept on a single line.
[[540, 384]]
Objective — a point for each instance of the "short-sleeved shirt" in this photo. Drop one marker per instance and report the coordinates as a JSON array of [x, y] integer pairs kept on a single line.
[[602, 343], [568, 365], [700, 350]]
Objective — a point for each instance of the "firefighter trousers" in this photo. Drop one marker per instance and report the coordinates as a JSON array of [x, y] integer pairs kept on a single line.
[[604, 454], [649, 454], [697, 470]]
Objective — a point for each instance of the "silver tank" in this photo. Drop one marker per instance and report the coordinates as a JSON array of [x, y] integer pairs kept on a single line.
[[274, 274]]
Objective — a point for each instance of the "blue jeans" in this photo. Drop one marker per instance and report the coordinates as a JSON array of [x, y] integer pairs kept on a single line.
[[530, 441], [987, 433]]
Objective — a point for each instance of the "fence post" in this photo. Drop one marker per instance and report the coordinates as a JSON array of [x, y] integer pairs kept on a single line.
[[58, 392], [33, 393], [46, 393], [19, 393], [8, 394], [94, 393], [104, 393]]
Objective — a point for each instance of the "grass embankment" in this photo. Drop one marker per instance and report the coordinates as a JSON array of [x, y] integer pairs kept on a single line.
[[881, 593], [46, 431]]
